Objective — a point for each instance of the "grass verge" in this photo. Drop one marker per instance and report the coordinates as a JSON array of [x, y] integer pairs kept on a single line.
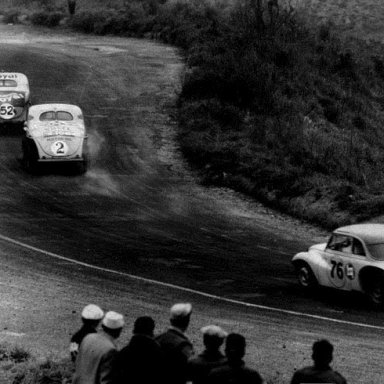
[[288, 113]]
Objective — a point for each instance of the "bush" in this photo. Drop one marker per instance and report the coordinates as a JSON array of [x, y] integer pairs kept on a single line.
[[11, 16], [46, 18]]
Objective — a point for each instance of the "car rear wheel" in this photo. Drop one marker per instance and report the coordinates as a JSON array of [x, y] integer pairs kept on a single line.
[[305, 276], [375, 292]]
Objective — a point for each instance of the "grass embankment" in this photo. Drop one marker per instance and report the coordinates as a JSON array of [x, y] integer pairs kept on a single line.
[[285, 112]]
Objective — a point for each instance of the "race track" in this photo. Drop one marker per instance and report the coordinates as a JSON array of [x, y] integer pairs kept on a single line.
[[138, 209]]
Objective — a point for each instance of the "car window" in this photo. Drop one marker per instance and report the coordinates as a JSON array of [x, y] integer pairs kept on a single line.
[[47, 116], [357, 248], [376, 250], [340, 243], [8, 83], [64, 116]]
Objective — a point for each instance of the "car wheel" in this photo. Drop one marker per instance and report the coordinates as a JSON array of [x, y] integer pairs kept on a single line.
[[375, 292], [305, 276]]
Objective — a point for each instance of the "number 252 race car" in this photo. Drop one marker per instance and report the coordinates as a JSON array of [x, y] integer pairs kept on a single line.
[[14, 97]]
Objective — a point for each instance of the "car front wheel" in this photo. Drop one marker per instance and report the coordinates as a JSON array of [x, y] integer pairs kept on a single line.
[[305, 276]]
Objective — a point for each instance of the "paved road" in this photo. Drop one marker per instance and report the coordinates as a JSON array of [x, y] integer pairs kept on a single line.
[[138, 209]]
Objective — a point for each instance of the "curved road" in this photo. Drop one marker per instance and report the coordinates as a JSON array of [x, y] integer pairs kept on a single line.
[[138, 209]]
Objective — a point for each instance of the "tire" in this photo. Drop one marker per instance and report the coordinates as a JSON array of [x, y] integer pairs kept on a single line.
[[305, 276], [375, 292]]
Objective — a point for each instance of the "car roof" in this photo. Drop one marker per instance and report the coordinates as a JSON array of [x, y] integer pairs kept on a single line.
[[19, 77], [40, 108], [369, 233]]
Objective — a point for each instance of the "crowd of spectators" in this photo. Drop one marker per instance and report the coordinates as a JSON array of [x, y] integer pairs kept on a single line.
[[169, 358]]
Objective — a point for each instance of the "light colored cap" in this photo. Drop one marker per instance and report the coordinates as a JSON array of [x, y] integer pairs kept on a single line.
[[181, 310], [92, 312], [214, 330], [113, 320]]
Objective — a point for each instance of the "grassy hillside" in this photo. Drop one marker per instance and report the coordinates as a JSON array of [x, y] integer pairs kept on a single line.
[[284, 106]]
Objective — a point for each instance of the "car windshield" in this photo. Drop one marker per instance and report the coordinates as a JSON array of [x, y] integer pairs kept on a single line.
[[376, 250], [59, 115], [8, 83]]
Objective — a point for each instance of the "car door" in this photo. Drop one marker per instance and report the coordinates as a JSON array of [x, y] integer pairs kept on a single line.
[[344, 255]]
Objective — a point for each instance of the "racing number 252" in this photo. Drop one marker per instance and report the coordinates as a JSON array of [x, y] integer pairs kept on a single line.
[[337, 269], [6, 110]]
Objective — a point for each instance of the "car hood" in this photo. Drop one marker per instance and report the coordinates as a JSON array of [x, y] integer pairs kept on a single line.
[[16, 98], [318, 247]]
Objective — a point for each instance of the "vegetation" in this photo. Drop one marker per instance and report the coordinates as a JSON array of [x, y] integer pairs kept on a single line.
[[284, 112]]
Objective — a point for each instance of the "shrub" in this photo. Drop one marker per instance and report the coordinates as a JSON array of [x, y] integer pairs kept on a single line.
[[11, 16], [46, 18]]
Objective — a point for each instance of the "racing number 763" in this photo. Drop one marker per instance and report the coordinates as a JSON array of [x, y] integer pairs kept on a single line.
[[337, 268]]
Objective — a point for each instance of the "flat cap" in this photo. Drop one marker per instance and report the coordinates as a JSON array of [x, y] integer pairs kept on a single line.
[[113, 320], [181, 310], [92, 312], [214, 330]]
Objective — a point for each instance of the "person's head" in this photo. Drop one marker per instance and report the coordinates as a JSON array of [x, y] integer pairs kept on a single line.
[[144, 325], [113, 323], [235, 347], [180, 315], [91, 315], [213, 337], [322, 352]]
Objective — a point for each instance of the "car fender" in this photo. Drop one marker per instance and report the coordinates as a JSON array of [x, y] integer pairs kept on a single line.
[[314, 259]]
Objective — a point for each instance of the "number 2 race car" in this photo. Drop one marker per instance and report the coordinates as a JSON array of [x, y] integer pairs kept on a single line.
[[55, 133], [352, 259], [14, 97]]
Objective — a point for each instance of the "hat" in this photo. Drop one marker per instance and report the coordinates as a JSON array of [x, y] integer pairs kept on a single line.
[[113, 320], [181, 310], [214, 330], [92, 312]]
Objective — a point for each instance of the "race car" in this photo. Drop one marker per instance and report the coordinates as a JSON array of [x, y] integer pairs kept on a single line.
[[55, 133], [352, 259], [14, 97]]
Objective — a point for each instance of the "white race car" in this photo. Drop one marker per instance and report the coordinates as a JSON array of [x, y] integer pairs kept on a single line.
[[14, 97], [352, 259], [55, 133]]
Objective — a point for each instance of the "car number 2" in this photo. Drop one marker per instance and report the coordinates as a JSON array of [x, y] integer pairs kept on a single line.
[[7, 111], [59, 148]]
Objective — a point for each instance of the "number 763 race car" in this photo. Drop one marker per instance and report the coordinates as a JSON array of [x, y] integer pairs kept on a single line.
[[352, 259], [55, 133]]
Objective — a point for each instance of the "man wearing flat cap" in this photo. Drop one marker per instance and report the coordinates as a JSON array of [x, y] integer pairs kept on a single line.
[[91, 317], [98, 351], [175, 345], [200, 366]]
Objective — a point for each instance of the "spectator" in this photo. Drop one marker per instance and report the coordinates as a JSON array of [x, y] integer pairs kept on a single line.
[[91, 317], [176, 346], [234, 371], [320, 372], [141, 361], [97, 352], [200, 366]]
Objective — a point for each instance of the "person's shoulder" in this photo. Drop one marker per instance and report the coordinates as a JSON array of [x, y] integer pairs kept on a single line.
[[340, 379], [304, 371], [222, 370], [250, 372]]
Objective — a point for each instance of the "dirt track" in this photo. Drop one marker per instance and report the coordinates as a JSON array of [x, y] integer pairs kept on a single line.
[[139, 210]]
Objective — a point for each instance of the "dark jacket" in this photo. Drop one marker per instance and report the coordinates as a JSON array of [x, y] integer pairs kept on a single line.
[[77, 338], [141, 361], [177, 350], [317, 375], [199, 367], [234, 374]]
